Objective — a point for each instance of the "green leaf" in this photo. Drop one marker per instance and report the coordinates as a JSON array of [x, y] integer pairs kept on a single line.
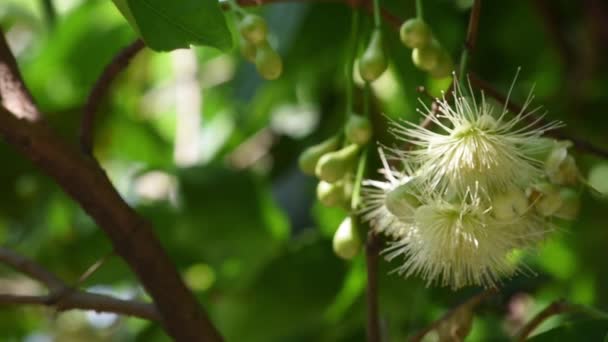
[[587, 330], [169, 25]]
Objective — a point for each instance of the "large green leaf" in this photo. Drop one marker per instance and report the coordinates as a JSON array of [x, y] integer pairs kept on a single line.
[[169, 25]]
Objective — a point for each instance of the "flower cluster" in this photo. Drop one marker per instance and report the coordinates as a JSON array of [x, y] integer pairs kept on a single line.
[[469, 194]]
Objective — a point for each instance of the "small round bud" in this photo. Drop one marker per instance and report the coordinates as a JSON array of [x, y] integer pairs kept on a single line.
[[509, 205], [549, 200], [444, 66], [309, 158], [427, 57], [373, 61], [253, 28], [268, 62], [346, 240], [415, 33], [358, 129], [571, 204], [333, 166], [330, 194], [401, 201], [248, 50]]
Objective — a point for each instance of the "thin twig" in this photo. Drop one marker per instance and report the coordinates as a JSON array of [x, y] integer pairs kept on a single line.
[[93, 268], [372, 248], [61, 297], [471, 303], [471, 40], [13, 92], [97, 94], [580, 144]]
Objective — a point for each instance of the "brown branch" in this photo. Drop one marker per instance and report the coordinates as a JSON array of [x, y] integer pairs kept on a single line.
[[372, 248], [62, 298], [553, 309], [473, 28], [13, 92], [97, 94], [131, 235], [580, 144], [471, 303]]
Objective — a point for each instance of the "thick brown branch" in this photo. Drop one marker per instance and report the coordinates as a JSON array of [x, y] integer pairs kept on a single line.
[[131, 235], [97, 94], [13, 92], [63, 298], [580, 144], [372, 248]]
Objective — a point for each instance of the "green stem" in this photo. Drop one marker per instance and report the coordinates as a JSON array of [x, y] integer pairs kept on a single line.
[[419, 9], [236, 8], [361, 166], [464, 63], [366, 95], [377, 20], [351, 62]]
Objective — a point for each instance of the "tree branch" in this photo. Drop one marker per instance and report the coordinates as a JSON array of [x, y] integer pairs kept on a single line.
[[131, 235], [13, 92], [372, 248], [471, 303], [62, 297], [580, 144], [97, 94]]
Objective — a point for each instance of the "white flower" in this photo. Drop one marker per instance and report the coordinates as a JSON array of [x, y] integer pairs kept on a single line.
[[475, 145], [456, 244]]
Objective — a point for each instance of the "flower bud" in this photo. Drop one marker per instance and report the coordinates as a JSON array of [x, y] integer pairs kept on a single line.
[[358, 129], [373, 61], [560, 166], [510, 205], [571, 204], [333, 166], [330, 194], [253, 28], [427, 57], [401, 201], [444, 66], [415, 33], [268, 62], [549, 199], [346, 240], [248, 50], [309, 158]]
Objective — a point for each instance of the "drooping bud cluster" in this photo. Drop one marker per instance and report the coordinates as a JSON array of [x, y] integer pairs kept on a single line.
[[427, 52], [476, 189], [256, 48], [335, 167]]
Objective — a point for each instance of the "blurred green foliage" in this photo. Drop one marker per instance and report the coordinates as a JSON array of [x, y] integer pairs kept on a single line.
[[242, 223]]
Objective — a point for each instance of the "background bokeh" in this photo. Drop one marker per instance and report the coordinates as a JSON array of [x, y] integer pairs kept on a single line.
[[198, 143]]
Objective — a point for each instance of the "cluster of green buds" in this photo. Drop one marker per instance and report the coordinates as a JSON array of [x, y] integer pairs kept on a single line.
[[427, 52], [373, 62], [334, 166], [256, 48]]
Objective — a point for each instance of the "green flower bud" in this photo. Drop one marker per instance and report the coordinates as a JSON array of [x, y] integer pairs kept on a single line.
[[401, 201], [268, 62], [248, 50], [444, 66], [571, 204], [333, 166], [549, 200], [415, 33], [358, 129], [347, 242], [309, 158], [253, 28], [427, 57], [330, 194], [510, 204], [373, 61]]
